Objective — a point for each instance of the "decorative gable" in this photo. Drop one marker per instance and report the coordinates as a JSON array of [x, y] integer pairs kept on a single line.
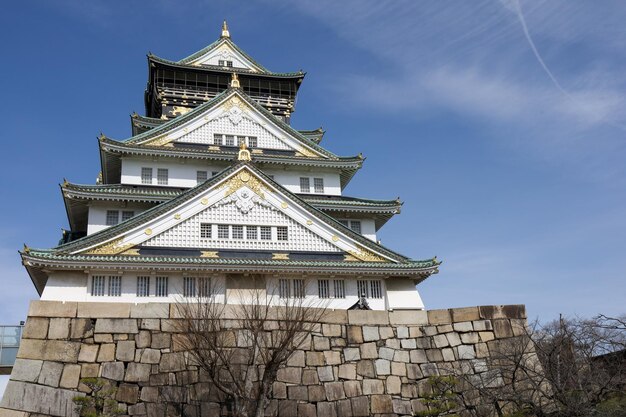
[[225, 55]]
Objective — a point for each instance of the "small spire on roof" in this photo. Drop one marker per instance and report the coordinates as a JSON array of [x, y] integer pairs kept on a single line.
[[99, 178], [244, 153], [26, 249], [234, 81], [65, 182], [225, 32]]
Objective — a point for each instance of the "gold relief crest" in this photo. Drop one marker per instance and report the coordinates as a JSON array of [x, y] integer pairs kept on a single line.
[[113, 247], [243, 177], [366, 256], [234, 102]]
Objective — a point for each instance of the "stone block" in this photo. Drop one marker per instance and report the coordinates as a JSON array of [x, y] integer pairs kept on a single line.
[[355, 335], [347, 371], [120, 336], [481, 350], [386, 353], [418, 356], [113, 370], [103, 338], [160, 341], [150, 311], [143, 339], [448, 354], [307, 410], [288, 408], [519, 327], [36, 328], [52, 309], [334, 317], [172, 362], [334, 391], [409, 391], [394, 385], [137, 409], [104, 310], [381, 404], [502, 328], [321, 343], [416, 332], [398, 368], [434, 355], [429, 369], [125, 351], [332, 357], [441, 340], [70, 376], [373, 386], [317, 393], [325, 373], [351, 354], [326, 409], [49, 401], [365, 369], [81, 328], [503, 312], [314, 359], [370, 333], [464, 326], [137, 372], [360, 406], [482, 325], [297, 392], [279, 390], [401, 356], [408, 343], [444, 328], [408, 317], [297, 358], [89, 370], [466, 352], [26, 370], [401, 407], [352, 388], [464, 314], [368, 350], [150, 324], [116, 326], [368, 317], [439, 317], [392, 343], [383, 367], [5, 412], [127, 393], [469, 338], [344, 408], [149, 394], [290, 375], [453, 339], [486, 336], [331, 330], [49, 350], [107, 352], [50, 374], [309, 377], [413, 371]]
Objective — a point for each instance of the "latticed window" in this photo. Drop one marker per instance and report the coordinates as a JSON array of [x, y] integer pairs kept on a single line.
[[113, 217], [98, 285], [220, 62], [229, 63], [162, 176], [291, 288], [362, 289], [189, 286], [340, 288], [281, 233], [318, 185], [217, 139], [201, 176], [252, 232], [252, 142], [345, 222], [161, 289], [146, 175], [222, 231], [204, 287], [127, 215], [298, 288], [305, 186], [143, 286], [376, 289], [115, 286], [237, 232], [283, 288], [266, 233], [355, 225], [369, 289], [229, 140], [205, 230], [323, 288]]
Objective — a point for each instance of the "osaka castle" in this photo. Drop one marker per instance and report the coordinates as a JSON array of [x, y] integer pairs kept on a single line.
[[215, 192]]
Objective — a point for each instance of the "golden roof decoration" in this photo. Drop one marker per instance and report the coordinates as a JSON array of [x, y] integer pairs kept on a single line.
[[244, 153], [225, 32], [234, 81]]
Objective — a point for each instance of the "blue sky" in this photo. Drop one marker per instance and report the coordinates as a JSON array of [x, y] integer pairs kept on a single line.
[[500, 124]]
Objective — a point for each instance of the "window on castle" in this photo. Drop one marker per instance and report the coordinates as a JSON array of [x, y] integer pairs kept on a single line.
[[222, 231], [369, 288], [201, 176], [217, 139], [220, 62], [345, 222], [115, 286], [162, 176], [252, 232], [355, 225], [161, 287], [376, 289], [237, 232], [146, 175], [291, 288], [143, 286], [189, 286], [204, 287], [127, 215], [305, 186], [113, 217], [298, 288], [318, 185], [229, 63], [229, 140], [340, 288], [266, 233], [252, 142], [281, 233], [205, 230], [323, 288], [98, 283]]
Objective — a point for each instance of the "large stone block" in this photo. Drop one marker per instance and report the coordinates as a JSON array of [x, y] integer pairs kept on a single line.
[[439, 317], [127, 393], [334, 391], [116, 326], [351, 354], [107, 352], [137, 372], [355, 335], [52, 309], [370, 333], [401, 407], [172, 362], [331, 330], [161, 341], [113, 371], [59, 328], [297, 392], [360, 406], [49, 350], [383, 367], [152, 356], [368, 317], [394, 385], [502, 328], [70, 376], [352, 388], [314, 359], [466, 352], [89, 370], [369, 351], [381, 404], [413, 371], [326, 409], [150, 311], [50, 374], [39, 399], [104, 310], [347, 371], [503, 312], [398, 368], [332, 357], [288, 408], [5, 412], [453, 339], [325, 373], [150, 324], [365, 369], [386, 353], [408, 317], [36, 328], [125, 351], [307, 410], [290, 375], [81, 328], [317, 393], [418, 356], [26, 370], [464, 314], [309, 377]]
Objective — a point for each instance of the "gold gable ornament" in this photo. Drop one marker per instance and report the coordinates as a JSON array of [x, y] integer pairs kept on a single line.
[[234, 81], [111, 248], [225, 31], [244, 153]]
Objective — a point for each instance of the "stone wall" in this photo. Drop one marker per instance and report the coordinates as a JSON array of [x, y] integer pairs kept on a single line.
[[357, 363]]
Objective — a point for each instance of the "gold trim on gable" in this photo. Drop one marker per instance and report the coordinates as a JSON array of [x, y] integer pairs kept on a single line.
[[111, 248], [243, 177], [366, 256], [208, 254], [280, 256]]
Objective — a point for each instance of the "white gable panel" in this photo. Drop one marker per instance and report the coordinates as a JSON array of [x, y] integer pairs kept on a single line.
[[240, 125], [225, 53], [187, 233]]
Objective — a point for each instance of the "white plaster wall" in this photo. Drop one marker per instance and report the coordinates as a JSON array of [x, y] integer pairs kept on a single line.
[[291, 180], [76, 286], [180, 174], [96, 219], [402, 294]]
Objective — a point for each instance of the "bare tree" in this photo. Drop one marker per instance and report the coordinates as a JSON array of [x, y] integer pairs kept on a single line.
[[565, 368], [241, 347]]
